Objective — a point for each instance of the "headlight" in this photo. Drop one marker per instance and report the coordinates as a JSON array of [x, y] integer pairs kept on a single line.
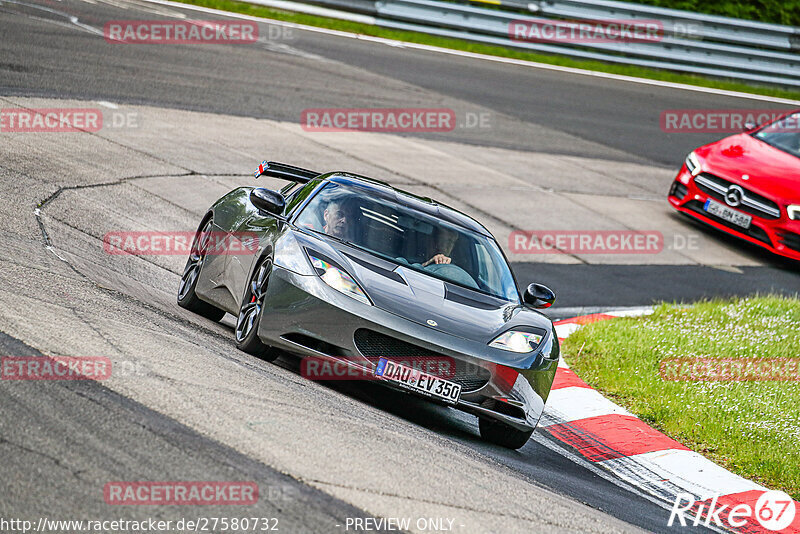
[[693, 164], [516, 341], [289, 256], [338, 279], [793, 211]]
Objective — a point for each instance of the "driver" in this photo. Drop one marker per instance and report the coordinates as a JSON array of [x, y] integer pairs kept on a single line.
[[443, 244], [338, 217]]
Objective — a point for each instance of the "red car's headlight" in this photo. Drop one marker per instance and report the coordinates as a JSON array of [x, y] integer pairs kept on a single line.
[[693, 164]]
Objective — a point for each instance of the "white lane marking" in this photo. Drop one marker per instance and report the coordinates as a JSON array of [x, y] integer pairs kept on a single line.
[[315, 10], [686, 469], [727, 268], [125, 4], [635, 312], [571, 313], [281, 48], [565, 405], [566, 329], [496, 59], [109, 105]]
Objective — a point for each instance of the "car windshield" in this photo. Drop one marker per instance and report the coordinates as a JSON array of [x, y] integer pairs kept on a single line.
[[409, 237], [783, 134]]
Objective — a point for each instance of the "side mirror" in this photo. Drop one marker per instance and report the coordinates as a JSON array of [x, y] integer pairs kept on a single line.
[[750, 125], [268, 200], [539, 296]]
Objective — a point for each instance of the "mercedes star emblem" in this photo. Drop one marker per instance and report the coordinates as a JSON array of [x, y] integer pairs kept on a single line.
[[734, 195]]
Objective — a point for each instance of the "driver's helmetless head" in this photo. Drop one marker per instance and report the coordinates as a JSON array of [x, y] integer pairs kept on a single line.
[[336, 218], [445, 240]]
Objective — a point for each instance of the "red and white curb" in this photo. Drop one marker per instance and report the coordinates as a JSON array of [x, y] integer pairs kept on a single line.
[[609, 436]]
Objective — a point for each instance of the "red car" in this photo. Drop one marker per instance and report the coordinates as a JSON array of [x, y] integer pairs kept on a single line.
[[747, 185]]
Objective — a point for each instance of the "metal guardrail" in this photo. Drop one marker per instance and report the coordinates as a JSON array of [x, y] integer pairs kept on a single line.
[[692, 43], [712, 28]]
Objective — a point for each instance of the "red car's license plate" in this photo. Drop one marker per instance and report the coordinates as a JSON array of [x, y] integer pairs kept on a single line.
[[727, 214]]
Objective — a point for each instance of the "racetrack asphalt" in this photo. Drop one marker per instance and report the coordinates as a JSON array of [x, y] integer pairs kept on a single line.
[[60, 438], [196, 385]]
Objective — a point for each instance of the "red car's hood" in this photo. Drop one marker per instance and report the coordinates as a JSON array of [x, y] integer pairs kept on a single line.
[[773, 173]]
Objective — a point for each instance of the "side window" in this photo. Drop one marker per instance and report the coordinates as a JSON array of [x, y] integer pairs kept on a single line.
[[291, 187], [298, 195]]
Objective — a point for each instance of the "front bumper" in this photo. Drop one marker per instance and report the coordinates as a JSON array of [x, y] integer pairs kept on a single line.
[[306, 317], [780, 236]]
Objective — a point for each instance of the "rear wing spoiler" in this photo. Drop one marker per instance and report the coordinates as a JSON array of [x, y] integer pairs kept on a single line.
[[285, 172]]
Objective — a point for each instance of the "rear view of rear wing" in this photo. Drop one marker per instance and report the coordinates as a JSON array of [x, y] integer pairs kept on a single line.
[[285, 172]]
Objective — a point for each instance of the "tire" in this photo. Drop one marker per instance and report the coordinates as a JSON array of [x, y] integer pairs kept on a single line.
[[187, 298], [251, 312], [502, 434]]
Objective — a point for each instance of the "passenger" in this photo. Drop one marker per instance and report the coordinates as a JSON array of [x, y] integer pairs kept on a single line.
[[443, 244]]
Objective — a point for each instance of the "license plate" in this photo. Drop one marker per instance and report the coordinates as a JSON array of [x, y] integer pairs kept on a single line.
[[725, 213], [418, 381]]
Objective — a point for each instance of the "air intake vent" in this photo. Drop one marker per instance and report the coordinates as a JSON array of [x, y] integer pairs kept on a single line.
[[374, 345], [678, 190]]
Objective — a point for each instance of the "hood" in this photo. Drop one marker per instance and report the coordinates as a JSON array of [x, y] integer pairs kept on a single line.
[[433, 302], [772, 173]]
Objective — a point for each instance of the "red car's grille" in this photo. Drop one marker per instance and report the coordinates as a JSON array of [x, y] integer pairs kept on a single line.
[[752, 203]]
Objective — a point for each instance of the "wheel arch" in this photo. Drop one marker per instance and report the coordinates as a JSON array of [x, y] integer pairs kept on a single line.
[[266, 252]]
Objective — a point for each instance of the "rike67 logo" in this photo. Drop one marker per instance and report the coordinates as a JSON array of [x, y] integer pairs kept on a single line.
[[773, 511]]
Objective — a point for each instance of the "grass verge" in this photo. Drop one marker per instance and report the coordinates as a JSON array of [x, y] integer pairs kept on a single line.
[[750, 427], [478, 48]]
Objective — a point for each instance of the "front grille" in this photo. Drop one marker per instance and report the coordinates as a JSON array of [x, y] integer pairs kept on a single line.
[[754, 231], [789, 239], [374, 345], [752, 203], [678, 190]]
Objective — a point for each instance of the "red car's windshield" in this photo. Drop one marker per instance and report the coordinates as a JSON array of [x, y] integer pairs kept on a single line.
[[783, 134]]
